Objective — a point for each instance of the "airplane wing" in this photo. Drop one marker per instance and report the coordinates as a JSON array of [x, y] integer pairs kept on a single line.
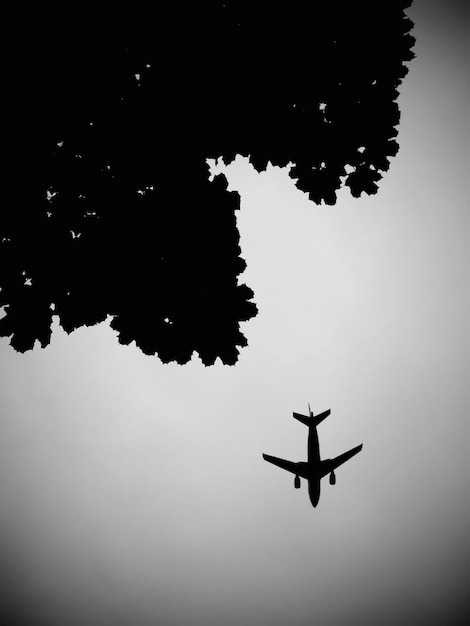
[[331, 464], [290, 466]]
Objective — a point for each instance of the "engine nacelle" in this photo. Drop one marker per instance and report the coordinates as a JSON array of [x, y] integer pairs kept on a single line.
[[297, 482], [332, 478]]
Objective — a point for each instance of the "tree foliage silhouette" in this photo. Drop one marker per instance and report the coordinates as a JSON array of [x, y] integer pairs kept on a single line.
[[108, 209]]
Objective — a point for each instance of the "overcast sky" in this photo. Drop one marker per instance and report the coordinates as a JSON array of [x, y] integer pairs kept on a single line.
[[134, 493]]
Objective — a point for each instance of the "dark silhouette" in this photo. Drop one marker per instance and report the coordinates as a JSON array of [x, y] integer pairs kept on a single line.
[[314, 469], [107, 208]]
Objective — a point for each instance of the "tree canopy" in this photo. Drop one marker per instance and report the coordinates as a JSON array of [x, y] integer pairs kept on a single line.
[[112, 113]]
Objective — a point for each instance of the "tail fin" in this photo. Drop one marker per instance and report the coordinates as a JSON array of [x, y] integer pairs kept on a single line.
[[311, 419]]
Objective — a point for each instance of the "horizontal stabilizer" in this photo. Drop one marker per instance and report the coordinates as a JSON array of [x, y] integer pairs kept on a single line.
[[312, 420], [303, 418]]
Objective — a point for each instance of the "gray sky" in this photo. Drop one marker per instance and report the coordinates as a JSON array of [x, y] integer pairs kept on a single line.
[[134, 493]]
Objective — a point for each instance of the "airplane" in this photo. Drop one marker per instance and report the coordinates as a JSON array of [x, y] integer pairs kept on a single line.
[[314, 469]]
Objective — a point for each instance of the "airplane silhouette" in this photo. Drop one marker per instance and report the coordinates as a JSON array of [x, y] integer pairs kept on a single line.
[[314, 469]]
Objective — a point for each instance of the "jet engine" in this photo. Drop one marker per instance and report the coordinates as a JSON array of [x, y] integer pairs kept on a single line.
[[332, 478], [297, 482]]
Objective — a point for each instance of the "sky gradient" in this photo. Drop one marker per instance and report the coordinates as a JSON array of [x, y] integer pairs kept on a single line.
[[134, 493]]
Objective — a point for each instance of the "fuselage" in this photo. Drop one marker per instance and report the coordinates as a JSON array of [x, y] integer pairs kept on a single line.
[[313, 455]]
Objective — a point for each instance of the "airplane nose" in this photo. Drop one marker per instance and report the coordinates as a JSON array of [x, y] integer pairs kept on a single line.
[[314, 491]]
